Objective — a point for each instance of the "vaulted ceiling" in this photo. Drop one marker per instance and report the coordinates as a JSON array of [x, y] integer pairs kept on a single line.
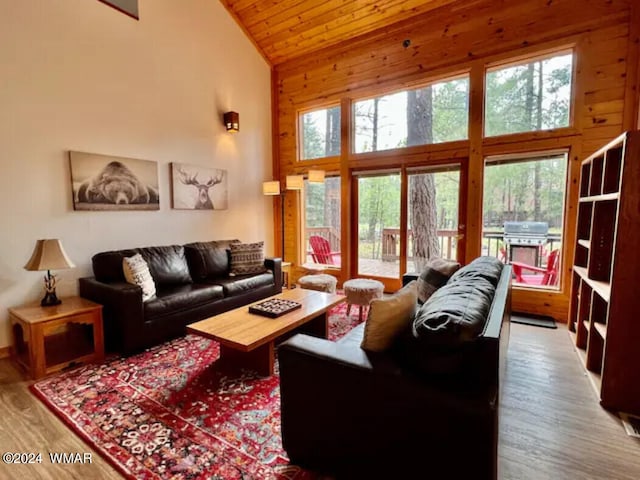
[[287, 29]]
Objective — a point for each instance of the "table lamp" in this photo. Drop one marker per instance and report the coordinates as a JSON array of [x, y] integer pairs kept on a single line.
[[49, 255]]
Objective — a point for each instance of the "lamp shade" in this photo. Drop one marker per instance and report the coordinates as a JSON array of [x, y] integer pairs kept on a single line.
[[316, 176], [48, 255], [232, 121], [271, 188], [295, 182]]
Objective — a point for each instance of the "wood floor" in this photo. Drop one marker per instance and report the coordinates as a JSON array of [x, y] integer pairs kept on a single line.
[[551, 426]]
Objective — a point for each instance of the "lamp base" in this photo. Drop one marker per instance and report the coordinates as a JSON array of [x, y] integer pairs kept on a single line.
[[50, 299]]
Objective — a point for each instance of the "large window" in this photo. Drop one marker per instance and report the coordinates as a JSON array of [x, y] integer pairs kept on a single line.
[[320, 133], [433, 114], [523, 211], [322, 221], [529, 97]]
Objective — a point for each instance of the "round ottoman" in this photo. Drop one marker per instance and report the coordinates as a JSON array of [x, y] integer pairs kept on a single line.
[[361, 291], [321, 282]]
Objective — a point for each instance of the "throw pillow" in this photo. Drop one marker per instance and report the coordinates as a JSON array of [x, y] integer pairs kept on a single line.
[[246, 258], [136, 272], [388, 318], [434, 276]]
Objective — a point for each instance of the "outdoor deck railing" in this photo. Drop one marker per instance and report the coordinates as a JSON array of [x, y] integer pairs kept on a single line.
[[390, 247], [391, 243]]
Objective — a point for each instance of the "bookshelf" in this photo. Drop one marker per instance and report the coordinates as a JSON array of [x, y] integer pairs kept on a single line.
[[604, 306]]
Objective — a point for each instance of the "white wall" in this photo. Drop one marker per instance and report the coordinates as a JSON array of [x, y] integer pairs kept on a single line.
[[79, 75]]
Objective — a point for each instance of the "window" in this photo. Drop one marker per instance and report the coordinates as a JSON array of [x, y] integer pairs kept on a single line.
[[433, 114], [322, 219], [523, 212], [529, 97], [320, 133]]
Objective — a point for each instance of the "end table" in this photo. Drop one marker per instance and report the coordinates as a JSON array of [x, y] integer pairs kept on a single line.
[[48, 339]]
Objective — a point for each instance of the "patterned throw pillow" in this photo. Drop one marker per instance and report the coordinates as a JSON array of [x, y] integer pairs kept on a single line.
[[136, 272], [434, 276], [246, 258], [388, 318]]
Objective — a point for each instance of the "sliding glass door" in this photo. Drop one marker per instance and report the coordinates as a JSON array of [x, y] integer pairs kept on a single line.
[[406, 217], [433, 215], [378, 229]]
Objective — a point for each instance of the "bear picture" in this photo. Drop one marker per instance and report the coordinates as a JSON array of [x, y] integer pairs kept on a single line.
[[102, 182]]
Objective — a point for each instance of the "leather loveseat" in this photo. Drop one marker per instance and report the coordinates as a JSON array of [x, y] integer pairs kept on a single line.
[[192, 283], [428, 408]]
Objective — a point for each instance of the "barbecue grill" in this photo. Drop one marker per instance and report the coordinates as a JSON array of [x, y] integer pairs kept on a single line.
[[524, 240]]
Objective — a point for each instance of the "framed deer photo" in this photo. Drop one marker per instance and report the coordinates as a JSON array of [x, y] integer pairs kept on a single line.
[[198, 188]]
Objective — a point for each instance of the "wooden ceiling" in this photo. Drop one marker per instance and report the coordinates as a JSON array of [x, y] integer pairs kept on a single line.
[[287, 29]]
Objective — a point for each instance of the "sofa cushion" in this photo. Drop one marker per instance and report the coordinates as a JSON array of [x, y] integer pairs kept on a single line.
[[208, 259], [455, 314], [107, 266], [168, 265], [388, 318], [441, 339], [243, 283], [136, 272], [435, 275], [173, 298], [247, 258], [488, 268]]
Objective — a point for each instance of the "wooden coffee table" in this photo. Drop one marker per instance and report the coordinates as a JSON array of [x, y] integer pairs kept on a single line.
[[248, 340]]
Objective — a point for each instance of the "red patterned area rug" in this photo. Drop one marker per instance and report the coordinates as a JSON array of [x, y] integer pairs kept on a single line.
[[168, 413]]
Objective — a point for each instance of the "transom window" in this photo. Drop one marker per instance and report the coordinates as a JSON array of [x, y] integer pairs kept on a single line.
[[528, 97], [435, 113], [320, 133]]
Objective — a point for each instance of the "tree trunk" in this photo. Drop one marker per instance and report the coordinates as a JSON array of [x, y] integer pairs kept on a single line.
[[537, 183], [332, 132], [374, 121], [422, 189]]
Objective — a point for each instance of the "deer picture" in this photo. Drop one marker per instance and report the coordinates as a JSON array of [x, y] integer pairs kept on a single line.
[[203, 200]]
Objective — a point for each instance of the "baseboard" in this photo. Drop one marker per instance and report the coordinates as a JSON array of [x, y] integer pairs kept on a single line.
[[5, 352]]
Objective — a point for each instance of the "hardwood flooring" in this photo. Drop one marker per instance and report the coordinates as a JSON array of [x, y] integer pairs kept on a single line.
[[551, 425]]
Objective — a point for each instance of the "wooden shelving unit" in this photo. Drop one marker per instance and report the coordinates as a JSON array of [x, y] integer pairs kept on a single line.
[[603, 308]]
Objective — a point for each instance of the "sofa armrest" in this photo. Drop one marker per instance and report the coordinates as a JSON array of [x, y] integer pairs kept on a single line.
[[123, 310], [275, 265]]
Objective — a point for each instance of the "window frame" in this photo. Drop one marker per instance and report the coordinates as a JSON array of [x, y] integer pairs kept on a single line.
[[522, 60], [466, 73], [300, 133]]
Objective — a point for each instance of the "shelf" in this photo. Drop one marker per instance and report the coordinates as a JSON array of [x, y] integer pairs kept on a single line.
[[602, 288], [601, 328], [601, 198], [585, 324], [585, 243]]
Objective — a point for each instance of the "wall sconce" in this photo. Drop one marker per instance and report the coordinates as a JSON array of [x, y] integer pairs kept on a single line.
[[295, 182], [232, 121], [316, 176]]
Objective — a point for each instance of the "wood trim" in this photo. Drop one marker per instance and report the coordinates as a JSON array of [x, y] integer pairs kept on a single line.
[[278, 229], [346, 225], [404, 220], [472, 230], [5, 352]]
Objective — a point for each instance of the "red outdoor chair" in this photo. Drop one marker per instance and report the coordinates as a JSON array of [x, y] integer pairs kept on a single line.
[[321, 251], [548, 276]]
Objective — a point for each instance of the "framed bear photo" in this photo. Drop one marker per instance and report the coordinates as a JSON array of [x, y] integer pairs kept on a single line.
[[103, 182]]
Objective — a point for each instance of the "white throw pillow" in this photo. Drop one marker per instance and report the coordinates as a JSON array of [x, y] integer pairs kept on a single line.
[[136, 272], [388, 318]]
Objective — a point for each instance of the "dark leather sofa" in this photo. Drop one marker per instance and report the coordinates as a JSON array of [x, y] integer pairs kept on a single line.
[[192, 283], [425, 409]]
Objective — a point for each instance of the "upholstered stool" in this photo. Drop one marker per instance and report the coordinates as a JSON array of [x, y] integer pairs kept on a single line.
[[321, 282], [361, 292]]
